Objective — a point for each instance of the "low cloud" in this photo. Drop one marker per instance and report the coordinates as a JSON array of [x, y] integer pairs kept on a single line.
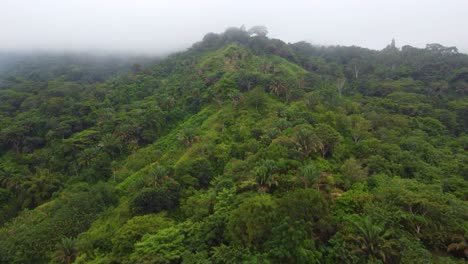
[[157, 27]]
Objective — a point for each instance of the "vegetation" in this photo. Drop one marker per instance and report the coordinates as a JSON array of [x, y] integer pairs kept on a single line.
[[242, 149]]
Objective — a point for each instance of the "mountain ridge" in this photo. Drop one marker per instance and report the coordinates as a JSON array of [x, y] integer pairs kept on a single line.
[[222, 153]]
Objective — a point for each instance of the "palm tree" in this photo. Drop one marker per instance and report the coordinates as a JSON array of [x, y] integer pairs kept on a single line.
[[157, 175], [458, 245], [110, 144], [372, 240], [87, 156], [40, 187], [279, 88], [11, 178], [264, 174], [66, 251], [188, 136], [310, 174], [327, 138], [305, 139]]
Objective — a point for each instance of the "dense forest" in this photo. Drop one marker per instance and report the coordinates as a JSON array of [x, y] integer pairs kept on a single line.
[[242, 149]]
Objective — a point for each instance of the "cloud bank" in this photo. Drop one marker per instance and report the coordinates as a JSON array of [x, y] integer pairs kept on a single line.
[[144, 26]]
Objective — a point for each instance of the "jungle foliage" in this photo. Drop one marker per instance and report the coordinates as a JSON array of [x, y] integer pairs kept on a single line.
[[242, 149]]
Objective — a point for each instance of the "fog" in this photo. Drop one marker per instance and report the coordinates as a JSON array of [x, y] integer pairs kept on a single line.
[[158, 27]]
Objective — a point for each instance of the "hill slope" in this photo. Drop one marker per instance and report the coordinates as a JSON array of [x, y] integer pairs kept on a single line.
[[241, 149]]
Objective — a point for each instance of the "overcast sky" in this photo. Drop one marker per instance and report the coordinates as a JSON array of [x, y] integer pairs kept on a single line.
[[144, 26]]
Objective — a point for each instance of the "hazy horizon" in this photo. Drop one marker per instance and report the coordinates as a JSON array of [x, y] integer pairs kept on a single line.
[[145, 27]]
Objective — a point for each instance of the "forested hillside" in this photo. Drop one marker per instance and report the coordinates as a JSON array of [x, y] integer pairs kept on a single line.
[[242, 149]]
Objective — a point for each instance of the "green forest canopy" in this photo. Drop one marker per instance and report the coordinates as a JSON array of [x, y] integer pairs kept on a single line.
[[242, 149]]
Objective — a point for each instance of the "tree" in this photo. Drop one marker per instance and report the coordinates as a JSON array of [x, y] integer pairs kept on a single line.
[[261, 31], [372, 240], [459, 245], [40, 187], [353, 172], [88, 156], [235, 254], [327, 137], [264, 174], [360, 128], [166, 246], [305, 139], [211, 40], [199, 168], [124, 240], [289, 243], [110, 144], [280, 88], [256, 97], [187, 136], [66, 251], [310, 174], [54, 106], [13, 135], [340, 86], [251, 223], [234, 34], [310, 208], [423, 209], [157, 175], [12, 176], [80, 141], [236, 97], [151, 200]]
